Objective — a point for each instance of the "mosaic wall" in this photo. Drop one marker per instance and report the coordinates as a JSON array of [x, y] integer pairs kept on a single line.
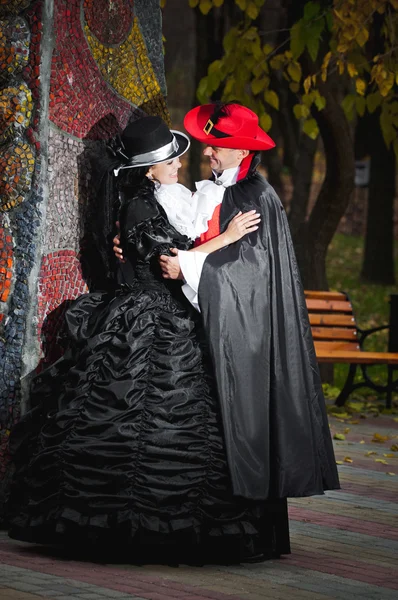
[[72, 74]]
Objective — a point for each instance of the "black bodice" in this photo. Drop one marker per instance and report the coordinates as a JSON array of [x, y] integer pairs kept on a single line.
[[145, 235]]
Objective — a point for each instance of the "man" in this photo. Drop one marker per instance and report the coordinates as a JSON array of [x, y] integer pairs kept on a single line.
[[277, 437]]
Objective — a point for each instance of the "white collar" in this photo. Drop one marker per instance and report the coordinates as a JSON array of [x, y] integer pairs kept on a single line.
[[227, 177]]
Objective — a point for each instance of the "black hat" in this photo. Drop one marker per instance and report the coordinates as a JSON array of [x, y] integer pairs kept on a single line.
[[149, 141]]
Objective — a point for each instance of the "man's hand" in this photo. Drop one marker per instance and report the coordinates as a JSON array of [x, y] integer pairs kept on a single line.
[[116, 245], [170, 265]]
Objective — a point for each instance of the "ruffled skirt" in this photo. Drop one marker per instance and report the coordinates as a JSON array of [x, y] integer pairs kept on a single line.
[[124, 442]]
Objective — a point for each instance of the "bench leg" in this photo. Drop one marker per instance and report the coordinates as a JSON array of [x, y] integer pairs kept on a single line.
[[348, 386]]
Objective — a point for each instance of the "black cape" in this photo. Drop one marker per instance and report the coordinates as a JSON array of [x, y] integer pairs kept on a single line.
[[252, 301]]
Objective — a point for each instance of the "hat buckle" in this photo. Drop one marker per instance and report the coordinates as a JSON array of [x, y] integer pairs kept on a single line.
[[208, 127]]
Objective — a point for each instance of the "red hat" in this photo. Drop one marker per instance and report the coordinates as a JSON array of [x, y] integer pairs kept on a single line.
[[227, 126]]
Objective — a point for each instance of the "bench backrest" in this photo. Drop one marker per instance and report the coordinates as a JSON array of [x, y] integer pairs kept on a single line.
[[332, 321]]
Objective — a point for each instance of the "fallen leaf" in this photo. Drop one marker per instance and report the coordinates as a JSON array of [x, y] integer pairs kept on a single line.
[[340, 416], [370, 453], [380, 439], [339, 462], [381, 460], [394, 448], [392, 474], [346, 430], [389, 455], [396, 419], [348, 459], [339, 436], [362, 442], [356, 422], [355, 406]]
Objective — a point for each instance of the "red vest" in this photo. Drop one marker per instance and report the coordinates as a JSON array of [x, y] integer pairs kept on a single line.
[[214, 223]]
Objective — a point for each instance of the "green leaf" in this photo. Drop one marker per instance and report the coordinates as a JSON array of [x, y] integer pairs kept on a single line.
[[348, 106], [272, 99], [311, 10], [320, 101], [229, 86], [387, 128], [301, 111], [202, 93], [277, 62], [214, 67], [294, 70], [258, 85], [329, 19], [313, 47], [242, 4], [229, 41], [252, 10], [297, 39], [360, 104], [259, 69], [310, 127], [308, 99], [193, 3], [373, 101], [218, 3], [265, 122], [294, 87], [267, 49], [205, 6]]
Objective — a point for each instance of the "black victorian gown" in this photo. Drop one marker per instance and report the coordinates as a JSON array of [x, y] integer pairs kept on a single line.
[[123, 447]]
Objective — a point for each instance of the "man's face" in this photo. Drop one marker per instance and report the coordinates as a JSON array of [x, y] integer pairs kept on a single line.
[[221, 159]]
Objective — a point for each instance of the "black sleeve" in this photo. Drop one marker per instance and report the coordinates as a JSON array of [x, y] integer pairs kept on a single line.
[[146, 231]]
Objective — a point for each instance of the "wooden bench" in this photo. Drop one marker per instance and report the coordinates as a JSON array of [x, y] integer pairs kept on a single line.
[[338, 339]]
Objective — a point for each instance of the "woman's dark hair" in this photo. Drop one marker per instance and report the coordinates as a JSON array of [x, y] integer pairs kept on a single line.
[[129, 180], [98, 260]]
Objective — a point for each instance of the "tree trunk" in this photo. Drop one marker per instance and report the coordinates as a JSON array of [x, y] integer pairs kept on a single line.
[[314, 236], [378, 261], [210, 30], [302, 178]]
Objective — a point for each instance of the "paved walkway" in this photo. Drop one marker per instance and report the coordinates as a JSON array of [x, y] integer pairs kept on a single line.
[[344, 544]]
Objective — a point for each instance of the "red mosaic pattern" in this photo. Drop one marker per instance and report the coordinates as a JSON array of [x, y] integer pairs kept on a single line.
[[60, 281], [116, 26], [79, 97], [6, 264], [14, 47]]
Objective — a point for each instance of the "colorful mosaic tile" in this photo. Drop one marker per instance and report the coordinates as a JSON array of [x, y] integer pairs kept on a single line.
[[31, 72], [69, 182], [16, 170], [13, 7], [60, 281], [6, 263], [15, 111], [115, 21], [14, 47], [89, 101], [129, 71], [80, 96]]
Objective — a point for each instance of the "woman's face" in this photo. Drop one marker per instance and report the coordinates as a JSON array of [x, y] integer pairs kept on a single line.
[[166, 172]]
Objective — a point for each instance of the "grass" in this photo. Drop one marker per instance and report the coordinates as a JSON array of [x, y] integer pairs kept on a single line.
[[370, 301]]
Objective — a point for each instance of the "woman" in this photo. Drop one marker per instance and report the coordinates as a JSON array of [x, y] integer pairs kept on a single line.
[[124, 448]]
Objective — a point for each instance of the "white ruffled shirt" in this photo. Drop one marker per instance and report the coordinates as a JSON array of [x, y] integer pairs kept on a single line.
[[189, 214]]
